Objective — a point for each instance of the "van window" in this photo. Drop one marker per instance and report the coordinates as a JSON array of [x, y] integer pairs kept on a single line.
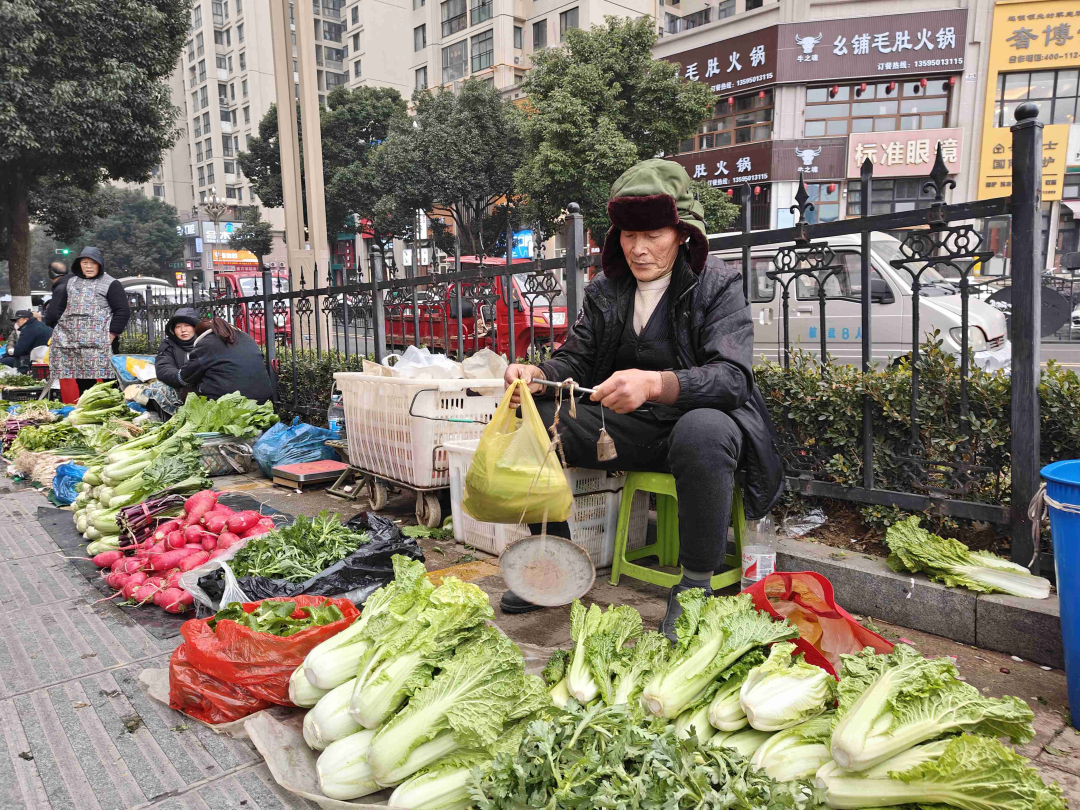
[[845, 284], [762, 288]]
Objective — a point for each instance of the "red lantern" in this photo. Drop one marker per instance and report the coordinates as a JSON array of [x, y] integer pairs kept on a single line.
[[832, 187], [731, 192], [731, 101], [922, 82], [834, 90], [891, 87], [761, 94], [862, 87], [757, 190]]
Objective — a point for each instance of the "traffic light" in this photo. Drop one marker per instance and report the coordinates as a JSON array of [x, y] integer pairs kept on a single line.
[[63, 251]]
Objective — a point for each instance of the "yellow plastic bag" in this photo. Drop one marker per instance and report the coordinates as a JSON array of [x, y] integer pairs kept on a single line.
[[515, 475]]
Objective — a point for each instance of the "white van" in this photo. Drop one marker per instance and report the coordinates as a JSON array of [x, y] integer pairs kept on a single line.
[[939, 308]]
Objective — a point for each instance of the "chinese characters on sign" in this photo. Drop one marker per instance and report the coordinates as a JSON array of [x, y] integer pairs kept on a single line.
[[904, 154], [768, 161]]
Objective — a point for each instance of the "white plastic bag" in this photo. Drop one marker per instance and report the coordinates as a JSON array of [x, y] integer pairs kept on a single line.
[[484, 365], [420, 364], [189, 580]]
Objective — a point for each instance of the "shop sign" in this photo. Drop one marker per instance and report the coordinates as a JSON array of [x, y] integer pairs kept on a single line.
[[225, 230], [1072, 157], [732, 65], [904, 153], [810, 158], [995, 170], [188, 229], [730, 165], [235, 257], [181, 279], [872, 47]]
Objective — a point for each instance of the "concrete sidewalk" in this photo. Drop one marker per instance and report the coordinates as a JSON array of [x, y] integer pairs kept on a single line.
[[80, 733]]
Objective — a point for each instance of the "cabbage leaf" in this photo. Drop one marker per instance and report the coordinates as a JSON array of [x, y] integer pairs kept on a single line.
[[785, 690]]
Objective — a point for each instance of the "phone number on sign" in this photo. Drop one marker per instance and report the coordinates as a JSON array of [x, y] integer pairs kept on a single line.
[[921, 63]]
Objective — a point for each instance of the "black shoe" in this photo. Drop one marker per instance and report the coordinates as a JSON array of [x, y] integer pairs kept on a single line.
[[512, 603], [674, 610]]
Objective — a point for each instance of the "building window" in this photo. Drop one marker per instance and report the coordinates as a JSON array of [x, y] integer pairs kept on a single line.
[[240, 32], [244, 88], [335, 79], [881, 107], [417, 4], [231, 193], [204, 97], [480, 11], [540, 35], [243, 60], [206, 122], [191, 50], [332, 31], [196, 17], [421, 78], [826, 203], [197, 127], [748, 119], [454, 17], [455, 61], [202, 70], [226, 149], [334, 57], [202, 176], [230, 167], [209, 149], [483, 50], [239, 7], [355, 15], [1054, 92], [727, 9], [356, 69], [567, 20], [1071, 189], [419, 38], [890, 196], [199, 49], [198, 152], [221, 61], [355, 42], [209, 172], [159, 191], [247, 115], [517, 37]]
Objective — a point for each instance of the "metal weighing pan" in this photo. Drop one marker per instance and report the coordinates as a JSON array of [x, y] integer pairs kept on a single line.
[[546, 570]]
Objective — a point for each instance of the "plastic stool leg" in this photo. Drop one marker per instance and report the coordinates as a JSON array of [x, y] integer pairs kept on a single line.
[[622, 532]]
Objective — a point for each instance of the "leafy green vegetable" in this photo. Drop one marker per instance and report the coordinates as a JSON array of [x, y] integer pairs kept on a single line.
[[712, 634], [636, 665], [972, 772], [888, 703], [951, 563], [797, 752], [612, 757], [725, 711], [785, 690], [276, 617], [299, 551], [745, 742], [20, 381], [598, 639], [37, 438], [555, 670], [343, 768], [427, 532]]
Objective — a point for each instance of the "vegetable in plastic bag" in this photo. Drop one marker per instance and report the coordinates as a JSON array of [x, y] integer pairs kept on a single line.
[[294, 443], [65, 482]]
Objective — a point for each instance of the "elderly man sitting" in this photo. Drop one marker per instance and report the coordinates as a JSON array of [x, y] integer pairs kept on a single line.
[[665, 338], [32, 334]]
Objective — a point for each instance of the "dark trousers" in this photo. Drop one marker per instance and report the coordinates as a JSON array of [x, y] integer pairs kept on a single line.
[[700, 448], [85, 384], [11, 361]]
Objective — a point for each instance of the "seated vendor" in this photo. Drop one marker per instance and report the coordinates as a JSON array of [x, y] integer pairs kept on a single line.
[[31, 334], [665, 338]]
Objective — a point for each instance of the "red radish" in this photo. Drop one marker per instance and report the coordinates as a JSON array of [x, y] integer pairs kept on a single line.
[[242, 521], [107, 559], [264, 526], [145, 593], [217, 553], [157, 548], [227, 540], [172, 580], [194, 560], [199, 504], [170, 559], [128, 565], [215, 522], [134, 581], [143, 552], [172, 600], [116, 580], [157, 581], [193, 534], [175, 539], [209, 542], [166, 527]]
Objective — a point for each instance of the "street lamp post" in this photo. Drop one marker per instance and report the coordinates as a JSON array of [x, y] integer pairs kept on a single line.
[[214, 206]]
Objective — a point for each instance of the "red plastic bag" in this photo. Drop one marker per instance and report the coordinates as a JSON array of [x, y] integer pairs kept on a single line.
[[825, 629], [224, 675]]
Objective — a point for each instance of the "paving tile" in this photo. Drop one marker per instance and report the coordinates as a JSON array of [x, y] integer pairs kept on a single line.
[[251, 788], [20, 781], [41, 580]]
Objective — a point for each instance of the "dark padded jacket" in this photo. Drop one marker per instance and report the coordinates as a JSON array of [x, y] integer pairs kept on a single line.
[[214, 368], [714, 339], [33, 334], [52, 308]]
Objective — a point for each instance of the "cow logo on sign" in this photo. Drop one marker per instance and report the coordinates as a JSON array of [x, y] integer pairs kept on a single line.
[[808, 43], [807, 156]]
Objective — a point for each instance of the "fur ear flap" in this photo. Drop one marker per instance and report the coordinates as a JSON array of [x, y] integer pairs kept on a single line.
[[612, 258], [643, 213], [698, 245]]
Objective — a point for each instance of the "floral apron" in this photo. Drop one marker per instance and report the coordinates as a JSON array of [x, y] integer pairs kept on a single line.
[[80, 347]]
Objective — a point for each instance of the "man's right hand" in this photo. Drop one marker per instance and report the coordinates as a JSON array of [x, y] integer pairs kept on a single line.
[[521, 371]]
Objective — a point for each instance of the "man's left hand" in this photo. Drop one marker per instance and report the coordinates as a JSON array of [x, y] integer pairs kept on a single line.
[[626, 391]]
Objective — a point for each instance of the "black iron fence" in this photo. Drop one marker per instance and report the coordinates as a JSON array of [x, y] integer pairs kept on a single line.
[[841, 290]]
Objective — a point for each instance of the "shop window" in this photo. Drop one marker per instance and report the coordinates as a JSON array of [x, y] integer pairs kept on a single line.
[[890, 196], [826, 203], [1054, 92], [760, 208], [877, 108], [1071, 189], [748, 119]]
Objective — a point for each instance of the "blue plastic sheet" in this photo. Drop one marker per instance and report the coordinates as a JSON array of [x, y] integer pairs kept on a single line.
[[68, 477], [119, 364], [294, 443]]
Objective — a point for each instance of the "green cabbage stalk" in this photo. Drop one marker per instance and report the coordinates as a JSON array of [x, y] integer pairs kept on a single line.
[[713, 633], [695, 720], [785, 690], [560, 695], [970, 772], [301, 692], [338, 659], [404, 660], [343, 768], [637, 664], [598, 640], [745, 742], [725, 711], [329, 719], [472, 696], [889, 703], [798, 752], [951, 563]]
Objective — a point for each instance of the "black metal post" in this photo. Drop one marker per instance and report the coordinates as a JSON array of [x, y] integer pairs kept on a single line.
[[511, 295], [1026, 322], [149, 319], [415, 275], [744, 221], [867, 177], [378, 312], [457, 294], [574, 235], [269, 326]]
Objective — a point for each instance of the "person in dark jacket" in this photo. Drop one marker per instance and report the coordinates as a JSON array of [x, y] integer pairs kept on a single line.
[[92, 311], [175, 348], [666, 339], [225, 360], [32, 333], [58, 278]]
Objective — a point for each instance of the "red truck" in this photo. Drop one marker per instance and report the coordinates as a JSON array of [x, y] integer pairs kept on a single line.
[[539, 316], [245, 284]]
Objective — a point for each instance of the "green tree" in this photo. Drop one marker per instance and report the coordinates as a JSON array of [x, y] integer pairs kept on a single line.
[[720, 211], [139, 237], [93, 103], [456, 156], [256, 235], [597, 105]]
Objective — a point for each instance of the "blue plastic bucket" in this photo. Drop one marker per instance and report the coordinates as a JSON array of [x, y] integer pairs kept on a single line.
[[1063, 486]]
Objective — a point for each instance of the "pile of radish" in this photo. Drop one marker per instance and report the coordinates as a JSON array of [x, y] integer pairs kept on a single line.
[[149, 571]]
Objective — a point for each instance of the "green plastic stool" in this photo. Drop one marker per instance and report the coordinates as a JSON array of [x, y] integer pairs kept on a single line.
[[666, 547]]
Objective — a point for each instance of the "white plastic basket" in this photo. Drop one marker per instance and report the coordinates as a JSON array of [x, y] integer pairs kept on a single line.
[[593, 522], [385, 440]]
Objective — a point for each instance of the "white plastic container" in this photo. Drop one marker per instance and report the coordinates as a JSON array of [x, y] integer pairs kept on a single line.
[[593, 522], [386, 440], [759, 553]]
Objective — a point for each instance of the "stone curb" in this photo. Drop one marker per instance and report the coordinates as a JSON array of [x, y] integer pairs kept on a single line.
[[1028, 628]]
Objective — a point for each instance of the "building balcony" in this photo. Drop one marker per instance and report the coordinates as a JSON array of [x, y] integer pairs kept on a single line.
[[222, 74], [334, 64], [219, 21], [226, 127]]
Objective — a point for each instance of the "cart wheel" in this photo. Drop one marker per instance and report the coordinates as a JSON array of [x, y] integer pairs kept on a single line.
[[378, 495], [428, 510]]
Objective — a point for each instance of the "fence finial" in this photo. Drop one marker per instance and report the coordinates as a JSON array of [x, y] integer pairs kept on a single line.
[[939, 178]]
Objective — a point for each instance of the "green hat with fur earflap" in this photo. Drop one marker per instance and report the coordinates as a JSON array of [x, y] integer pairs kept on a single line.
[[654, 194]]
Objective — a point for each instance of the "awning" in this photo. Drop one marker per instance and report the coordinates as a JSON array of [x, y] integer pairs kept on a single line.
[[1072, 205]]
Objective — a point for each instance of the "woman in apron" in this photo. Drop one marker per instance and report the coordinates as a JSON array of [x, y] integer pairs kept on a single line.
[[93, 311]]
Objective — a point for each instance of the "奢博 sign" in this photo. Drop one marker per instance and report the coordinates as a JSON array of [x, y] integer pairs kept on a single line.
[[904, 153]]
